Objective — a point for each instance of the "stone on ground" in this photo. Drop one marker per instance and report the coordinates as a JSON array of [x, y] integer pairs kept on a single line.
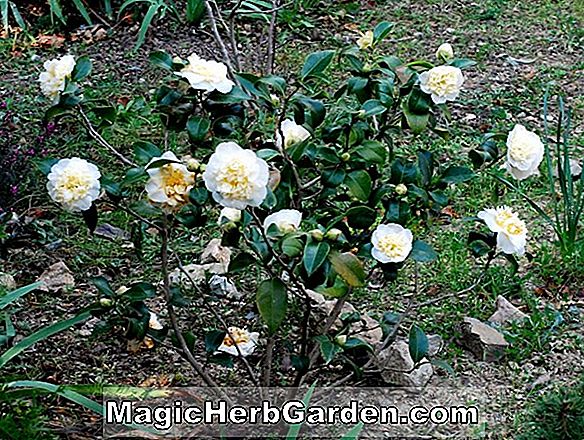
[[486, 343]]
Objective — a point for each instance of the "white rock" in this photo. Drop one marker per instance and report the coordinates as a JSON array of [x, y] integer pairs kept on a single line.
[[506, 312], [223, 287], [7, 281], [56, 277], [397, 366], [483, 341]]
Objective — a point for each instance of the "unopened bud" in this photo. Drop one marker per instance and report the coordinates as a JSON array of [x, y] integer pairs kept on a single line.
[[445, 52], [345, 157], [333, 234], [105, 302], [317, 234], [341, 339]]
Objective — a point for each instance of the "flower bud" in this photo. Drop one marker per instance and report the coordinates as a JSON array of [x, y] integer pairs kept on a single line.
[[122, 290], [230, 214], [345, 157], [105, 302], [275, 99], [317, 234], [445, 52], [341, 340], [333, 234], [192, 163], [401, 189], [365, 41]]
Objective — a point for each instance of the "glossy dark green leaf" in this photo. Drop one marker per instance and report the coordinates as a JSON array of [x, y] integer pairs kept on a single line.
[[161, 59], [272, 303], [328, 348], [144, 152], [240, 262], [82, 68], [315, 253], [197, 128], [195, 11], [372, 152], [418, 344], [456, 174], [422, 252], [348, 267], [316, 63], [381, 31], [213, 339], [361, 217], [359, 184]]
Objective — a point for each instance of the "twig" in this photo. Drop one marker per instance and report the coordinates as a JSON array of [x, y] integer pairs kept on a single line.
[[100, 140], [272, 39], [172, 315], [268, 362], [219, 39], [218, 317]]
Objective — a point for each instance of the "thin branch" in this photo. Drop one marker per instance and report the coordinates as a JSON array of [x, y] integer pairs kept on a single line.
[[100, 140], [272, 39], [218, 317], [219, 39], [268, 362], [172, 315]]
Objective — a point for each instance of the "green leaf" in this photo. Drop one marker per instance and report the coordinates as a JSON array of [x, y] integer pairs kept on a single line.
[[419, 102], [292, 246], [294, 430], [56, 9], [82, 68], [195, 10], [359, 184], [148, 17], [417, 123], [315, 253], [140, 291], [41, 335], [422, 252], [316, 63], [161, 59], [82, 10], [197, 128], [90, 217], [199, 196], [328, 348], [61, 390], [426, 167], [372, 152], [18, 293], [397, 211], [361, 217], [102, 285], [418, 344], [462, 63], [373, 107], [240, 262], [160, 162], [349, 268], [267, 153], [144, 152], [455, 174], [213, 339], [354, 432], [381, 31], [272, 302]]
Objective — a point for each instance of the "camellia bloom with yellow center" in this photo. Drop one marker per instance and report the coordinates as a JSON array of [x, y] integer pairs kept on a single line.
[[53, 79], [245, 341], [169, 185], [442, 83], [74, 183], [236, 177], [511, 230], [287, 220], [293, 134], [365, 41], [524, 153], [206, 75], [392, 243]]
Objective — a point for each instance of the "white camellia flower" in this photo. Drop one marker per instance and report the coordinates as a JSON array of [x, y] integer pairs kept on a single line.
[[74, 183], [154, 323], [365, 41], [169, 185], [57, 71], [392, 243], [511, 231], [293, 134], [287, 220], [443, 83], [524, 153], [445, 52], [206, 75], [246, 342], [236, 177], [229, 214]]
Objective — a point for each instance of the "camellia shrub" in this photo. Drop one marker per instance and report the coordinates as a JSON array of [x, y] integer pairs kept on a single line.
[[301, 181]]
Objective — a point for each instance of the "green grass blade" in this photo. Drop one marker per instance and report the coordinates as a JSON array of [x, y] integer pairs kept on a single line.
[[13, 296], [40, 335], [56, 9], [4, 13], [17, 17], [152, 10], [294, 430], [61, 390], [82, 10]]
